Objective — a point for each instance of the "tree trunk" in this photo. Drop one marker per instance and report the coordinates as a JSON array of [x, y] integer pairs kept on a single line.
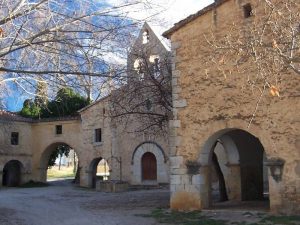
[[59, 164], [77, 175], [222, 185]]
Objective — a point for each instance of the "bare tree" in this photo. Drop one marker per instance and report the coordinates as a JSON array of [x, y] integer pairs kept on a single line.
[[144, 103], [264, 48], [65, 43]]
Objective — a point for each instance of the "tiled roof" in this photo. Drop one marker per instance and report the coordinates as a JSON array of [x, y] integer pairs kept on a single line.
[[66, 118], [11, 116], [14, 117], [192, 17]]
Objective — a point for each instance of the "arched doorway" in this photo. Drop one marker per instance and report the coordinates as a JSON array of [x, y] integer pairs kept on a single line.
[[149, 167], [12, 174], [236, 172], [59, 164], [99, 170]]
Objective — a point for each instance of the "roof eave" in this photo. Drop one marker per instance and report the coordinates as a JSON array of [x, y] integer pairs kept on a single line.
[[192, 17]]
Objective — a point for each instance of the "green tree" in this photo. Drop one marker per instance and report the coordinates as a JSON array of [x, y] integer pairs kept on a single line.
[[60, 151], [66, 103], [30, 109]]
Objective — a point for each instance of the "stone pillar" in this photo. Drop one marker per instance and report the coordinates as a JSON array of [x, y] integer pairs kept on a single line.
[[1, 177], [205, 189], [275, 189], [26, 176], [275, 167], [186, 189], [86, 178], [42, 174], [233, 182]]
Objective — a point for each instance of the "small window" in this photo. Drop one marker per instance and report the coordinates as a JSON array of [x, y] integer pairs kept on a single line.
[[139, 67], [247, 10], [14, 140], [156, 68], [98, 135], [58, 129], [154, 60], [145, 37], [148, 104]]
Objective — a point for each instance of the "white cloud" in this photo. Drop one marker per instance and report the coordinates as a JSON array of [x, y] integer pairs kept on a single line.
[[162, 14]]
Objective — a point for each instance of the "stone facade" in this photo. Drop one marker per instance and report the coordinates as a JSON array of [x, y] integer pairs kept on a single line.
[[211, 108], [122, 150]]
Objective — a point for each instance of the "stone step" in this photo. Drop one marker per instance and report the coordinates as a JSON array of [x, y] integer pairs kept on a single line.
[[148, 187]]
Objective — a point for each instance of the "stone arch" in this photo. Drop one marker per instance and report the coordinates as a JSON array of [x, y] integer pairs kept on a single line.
[[157, 151], [12, 173], [245, 161], [92, 172], [45, 157], [149, 142]]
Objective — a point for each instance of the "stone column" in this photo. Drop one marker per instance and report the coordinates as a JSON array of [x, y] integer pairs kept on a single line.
[[233, 182], [1, 177], [205, 189], [42, 174], [26, 176], [186, 189], [86, 178], [275, 167]]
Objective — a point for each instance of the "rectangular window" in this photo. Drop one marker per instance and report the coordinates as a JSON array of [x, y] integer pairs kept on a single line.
[[98, 135], [247, 10], [14, 140], [58, 129]]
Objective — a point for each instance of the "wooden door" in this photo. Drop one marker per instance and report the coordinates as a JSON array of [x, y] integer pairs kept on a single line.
[[149, 167]]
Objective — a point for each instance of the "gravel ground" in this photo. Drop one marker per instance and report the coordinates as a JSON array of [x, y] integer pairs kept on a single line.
[[63, 204], [67, 205]]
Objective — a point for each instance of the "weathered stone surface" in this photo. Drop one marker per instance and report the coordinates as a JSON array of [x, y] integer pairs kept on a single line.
[[209, 105], [107, 186]]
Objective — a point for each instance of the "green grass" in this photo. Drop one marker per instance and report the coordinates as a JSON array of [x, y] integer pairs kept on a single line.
[[182, 218], [281, 220], [64, 172], [164, 216]]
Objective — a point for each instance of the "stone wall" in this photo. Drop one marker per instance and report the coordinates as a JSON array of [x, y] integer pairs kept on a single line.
[[21, 152], [206, 106]]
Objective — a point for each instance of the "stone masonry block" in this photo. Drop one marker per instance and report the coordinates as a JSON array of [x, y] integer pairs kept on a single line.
[[176, 123], [197, 179], [178, 171], [176, 90], [186, 179], [173, 150], [173, 64], [177, 141], [180, 103], [175, 179], [176, 162], [176, 73], [175, 97], [172, 188]]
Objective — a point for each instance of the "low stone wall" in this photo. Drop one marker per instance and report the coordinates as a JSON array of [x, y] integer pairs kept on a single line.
[[111, 186]]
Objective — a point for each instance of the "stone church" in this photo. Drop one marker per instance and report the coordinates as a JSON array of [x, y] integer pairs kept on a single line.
[[26, 144]]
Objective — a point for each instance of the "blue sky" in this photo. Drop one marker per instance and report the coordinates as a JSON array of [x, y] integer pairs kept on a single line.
[[171, 11]]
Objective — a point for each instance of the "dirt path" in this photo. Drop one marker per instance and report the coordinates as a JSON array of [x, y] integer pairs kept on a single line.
[[65, 205]]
